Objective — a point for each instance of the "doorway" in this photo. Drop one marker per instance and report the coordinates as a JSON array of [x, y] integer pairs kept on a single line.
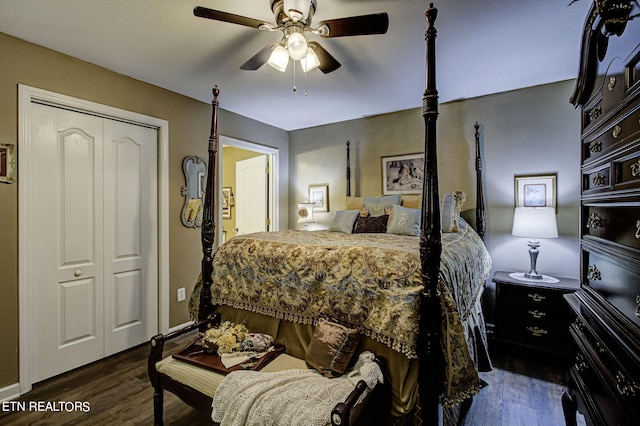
[[92, 234], [236, 152]]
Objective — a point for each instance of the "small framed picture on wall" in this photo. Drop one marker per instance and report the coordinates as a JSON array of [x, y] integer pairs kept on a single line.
[[535, 190], [319, 196]]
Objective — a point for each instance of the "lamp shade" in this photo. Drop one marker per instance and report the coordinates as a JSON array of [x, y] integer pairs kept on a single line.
[[279, 58], [535, 222], [310, 62], [297, 46], [305, 212]]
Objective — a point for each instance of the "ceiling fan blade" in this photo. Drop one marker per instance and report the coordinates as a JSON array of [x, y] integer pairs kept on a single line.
[[217, 15], [376, 23], [259, 59], [327, 62]]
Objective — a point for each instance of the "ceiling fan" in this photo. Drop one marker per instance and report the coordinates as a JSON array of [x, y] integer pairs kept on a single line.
[[293, 18]]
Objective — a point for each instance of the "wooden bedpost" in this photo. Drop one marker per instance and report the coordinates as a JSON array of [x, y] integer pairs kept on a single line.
[[348, 171], [428, 345], [208, 215], [480, 215]]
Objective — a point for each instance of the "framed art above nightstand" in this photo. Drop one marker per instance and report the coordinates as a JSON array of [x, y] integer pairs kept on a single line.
[[533, 315]]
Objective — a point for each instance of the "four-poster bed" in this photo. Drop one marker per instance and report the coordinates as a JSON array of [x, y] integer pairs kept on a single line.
[[418, 321]]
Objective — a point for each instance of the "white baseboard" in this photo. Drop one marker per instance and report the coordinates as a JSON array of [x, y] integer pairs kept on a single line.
[[10, 392], [178, 327]]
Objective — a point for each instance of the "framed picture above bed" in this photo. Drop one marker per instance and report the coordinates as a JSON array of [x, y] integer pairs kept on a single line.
[[535, 190], [319, 196], [402, 174]]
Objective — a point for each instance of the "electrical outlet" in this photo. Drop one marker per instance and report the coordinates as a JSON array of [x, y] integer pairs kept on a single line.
[[181, 294]]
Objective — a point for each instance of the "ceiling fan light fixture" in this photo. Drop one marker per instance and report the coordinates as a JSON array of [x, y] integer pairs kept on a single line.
[[297, 46], [298, 10], [310, 62], [279, 58]]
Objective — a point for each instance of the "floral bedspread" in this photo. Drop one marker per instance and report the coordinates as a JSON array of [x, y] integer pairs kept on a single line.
[[371, 280]]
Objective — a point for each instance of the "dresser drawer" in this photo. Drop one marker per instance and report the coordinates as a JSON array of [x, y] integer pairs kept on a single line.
[[620, 173], [613, 387], [622, 131], [617, 284], [618, 224]]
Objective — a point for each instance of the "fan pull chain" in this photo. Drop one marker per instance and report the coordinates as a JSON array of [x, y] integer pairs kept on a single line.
[[305, 84], [294, 77]]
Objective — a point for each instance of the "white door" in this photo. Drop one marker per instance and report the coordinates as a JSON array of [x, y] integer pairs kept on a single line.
[[251, 195], [92, 236], [130, 242]]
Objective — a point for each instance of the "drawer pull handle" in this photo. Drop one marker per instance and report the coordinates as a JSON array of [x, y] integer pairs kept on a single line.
[[600, 348], [638, 305], [537, 331], [595, 112], [612, 83], [624, 387], [77, 272], [593, 273], [536, 297], [537, 314], [579, 324], [595, 146], [637, 234], [635, 169], [616, 131], [581, 364], [594, 221], [598, 179]]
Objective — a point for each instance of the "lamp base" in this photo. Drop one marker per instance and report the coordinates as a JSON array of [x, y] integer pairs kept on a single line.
[[533, 275], [544, 278]]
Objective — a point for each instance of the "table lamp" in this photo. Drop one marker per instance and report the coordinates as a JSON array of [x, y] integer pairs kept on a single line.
[[534, 223]]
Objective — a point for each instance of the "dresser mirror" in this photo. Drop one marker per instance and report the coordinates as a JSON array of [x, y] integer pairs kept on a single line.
[[195, 176]]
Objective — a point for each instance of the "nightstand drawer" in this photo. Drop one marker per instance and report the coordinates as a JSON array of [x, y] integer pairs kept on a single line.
[[537, 332], [537, 311], [532, 297]]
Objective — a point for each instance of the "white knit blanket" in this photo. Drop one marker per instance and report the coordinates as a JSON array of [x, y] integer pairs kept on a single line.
[[289, 397]]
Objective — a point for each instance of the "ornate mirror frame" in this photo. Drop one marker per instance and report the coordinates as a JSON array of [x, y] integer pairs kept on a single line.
[[195, 176]]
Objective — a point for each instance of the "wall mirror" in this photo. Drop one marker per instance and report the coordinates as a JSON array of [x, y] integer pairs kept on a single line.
[[195, 176]]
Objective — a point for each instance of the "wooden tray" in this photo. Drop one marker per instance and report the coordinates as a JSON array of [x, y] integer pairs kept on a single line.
[[193, 354]]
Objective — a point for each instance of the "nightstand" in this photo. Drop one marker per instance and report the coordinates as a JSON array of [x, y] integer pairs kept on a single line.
[[533, 316]]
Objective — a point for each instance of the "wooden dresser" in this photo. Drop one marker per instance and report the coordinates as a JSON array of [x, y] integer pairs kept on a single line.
[[605, 376]]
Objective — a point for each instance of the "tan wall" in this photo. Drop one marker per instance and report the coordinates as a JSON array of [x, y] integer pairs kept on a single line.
[[189, 125]]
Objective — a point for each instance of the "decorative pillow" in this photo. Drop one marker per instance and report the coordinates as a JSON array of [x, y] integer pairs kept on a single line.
[[450, 208], [331, 348], [343, 221], [354, 203], [370, 225], [376, 205], [404, 221], [411, 201]]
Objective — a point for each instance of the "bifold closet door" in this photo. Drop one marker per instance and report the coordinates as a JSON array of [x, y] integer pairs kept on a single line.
[[92, 234]]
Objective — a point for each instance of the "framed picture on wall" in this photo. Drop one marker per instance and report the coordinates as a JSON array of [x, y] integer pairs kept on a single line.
[[402, 174], [535, 190], [226, 202], [319, 196], [7, 163]]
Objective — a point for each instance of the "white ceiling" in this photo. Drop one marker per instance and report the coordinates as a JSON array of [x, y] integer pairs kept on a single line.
[[483, 47]]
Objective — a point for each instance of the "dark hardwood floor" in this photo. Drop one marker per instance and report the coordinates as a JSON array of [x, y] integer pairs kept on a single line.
[[521, 392]]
